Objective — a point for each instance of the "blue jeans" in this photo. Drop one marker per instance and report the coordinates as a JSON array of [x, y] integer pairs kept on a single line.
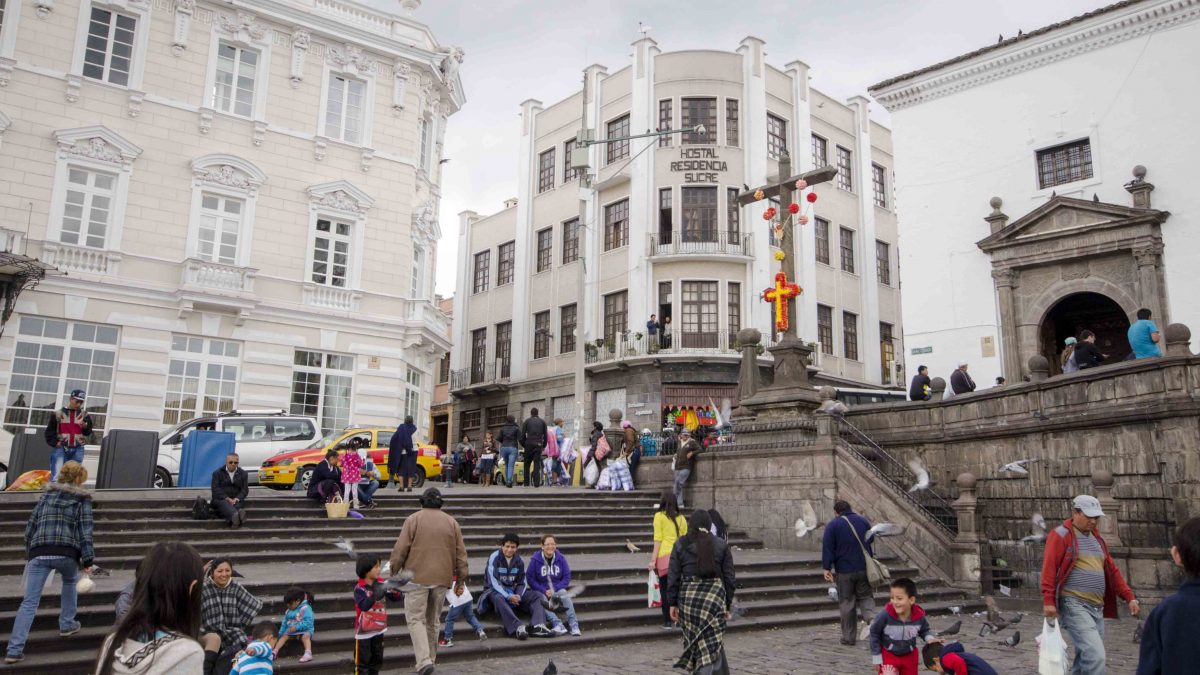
[[464, 610], [509, 455], [62, 455], [1085, 624], [36, 571], [568, 606], [366, 490]]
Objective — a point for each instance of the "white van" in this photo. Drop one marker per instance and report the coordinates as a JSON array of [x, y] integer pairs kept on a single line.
[[259, 434]]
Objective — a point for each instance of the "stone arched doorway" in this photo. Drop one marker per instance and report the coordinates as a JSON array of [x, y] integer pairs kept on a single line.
[[1085, 311]]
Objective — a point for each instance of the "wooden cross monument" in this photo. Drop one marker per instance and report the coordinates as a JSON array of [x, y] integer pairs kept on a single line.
[[785, 189]]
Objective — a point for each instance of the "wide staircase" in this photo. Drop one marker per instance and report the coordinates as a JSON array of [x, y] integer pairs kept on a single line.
[[287, 541]]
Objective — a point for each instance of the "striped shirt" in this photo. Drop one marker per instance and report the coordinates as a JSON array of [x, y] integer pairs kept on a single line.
[[1086, 581], [256, 659]]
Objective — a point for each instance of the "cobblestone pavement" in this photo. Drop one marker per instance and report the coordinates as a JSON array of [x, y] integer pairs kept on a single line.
[[806, 651]]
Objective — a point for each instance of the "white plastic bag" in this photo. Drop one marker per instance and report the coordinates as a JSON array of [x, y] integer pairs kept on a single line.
[[591, 473], [653, 593], [605, 481], [1052, 650]]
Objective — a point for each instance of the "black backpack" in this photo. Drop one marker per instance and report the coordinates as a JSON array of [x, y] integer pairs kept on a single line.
[[201, 509]]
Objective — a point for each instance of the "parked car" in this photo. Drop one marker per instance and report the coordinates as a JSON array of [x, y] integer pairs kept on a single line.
[[293, 470], [260, 434]]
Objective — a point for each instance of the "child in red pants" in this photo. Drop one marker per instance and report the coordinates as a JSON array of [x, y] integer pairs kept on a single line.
[[895, 630]]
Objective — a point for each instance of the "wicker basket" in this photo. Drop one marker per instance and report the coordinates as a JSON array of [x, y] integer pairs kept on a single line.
[[337, 508]]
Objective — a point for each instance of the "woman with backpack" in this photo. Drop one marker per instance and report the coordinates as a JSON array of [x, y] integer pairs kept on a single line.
[[699, 594], [58, 538], [669, 526], [157, 636]]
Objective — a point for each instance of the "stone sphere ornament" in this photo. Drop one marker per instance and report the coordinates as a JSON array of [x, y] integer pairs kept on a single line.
[[811, 197]]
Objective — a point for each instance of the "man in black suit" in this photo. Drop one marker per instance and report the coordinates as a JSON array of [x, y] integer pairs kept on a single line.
[[229, 489]]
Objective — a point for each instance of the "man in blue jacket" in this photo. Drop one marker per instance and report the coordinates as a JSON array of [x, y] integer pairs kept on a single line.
[[505, 590], [844, 564], [402, 456]]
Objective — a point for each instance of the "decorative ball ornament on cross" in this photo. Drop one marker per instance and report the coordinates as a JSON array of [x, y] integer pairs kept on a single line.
[[779, 294]]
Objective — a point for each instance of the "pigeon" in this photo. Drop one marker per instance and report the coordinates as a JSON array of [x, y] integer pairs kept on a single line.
[[952, 630], [956, 610], [1041, 415], [346, 545], [1137, 631], [631, 547], [1017, 467], [884, 530], [737, 611], [1039, 530], [551, 669], [1012, 641], [833, 594], [918, 468], [807, 522], [1016, 619], [553, 603]]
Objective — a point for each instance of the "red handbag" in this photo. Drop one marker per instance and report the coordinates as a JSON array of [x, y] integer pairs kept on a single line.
[[372, 620]]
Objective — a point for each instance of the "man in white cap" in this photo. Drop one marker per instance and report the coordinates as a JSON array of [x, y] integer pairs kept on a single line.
[[1081, 583], [960, 381]]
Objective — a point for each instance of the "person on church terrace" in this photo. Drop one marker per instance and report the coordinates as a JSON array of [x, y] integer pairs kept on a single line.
[[842, 558], [1144, 336], [1086, 354], [1169, 641], [960, 381], [1081, 583], [1067, 358], [919, 389], [230, 486]]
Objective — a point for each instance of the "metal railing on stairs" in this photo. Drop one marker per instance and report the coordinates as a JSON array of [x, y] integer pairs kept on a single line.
[[899, 477]]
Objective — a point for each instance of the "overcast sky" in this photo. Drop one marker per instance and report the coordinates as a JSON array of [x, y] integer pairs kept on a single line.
[[522, 49]]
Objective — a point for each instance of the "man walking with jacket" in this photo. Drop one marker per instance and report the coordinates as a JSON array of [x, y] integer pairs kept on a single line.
[[533, 439], [508, 438], [684, 463], [1081, 583], [402, 456], [229, 489], [430, 546], [69, 428], [844, 564]]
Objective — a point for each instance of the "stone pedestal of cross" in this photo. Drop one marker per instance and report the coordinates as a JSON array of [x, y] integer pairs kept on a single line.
[[790, 354]]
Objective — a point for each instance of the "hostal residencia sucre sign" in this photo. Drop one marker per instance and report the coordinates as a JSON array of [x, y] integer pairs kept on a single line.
[[699, 165]]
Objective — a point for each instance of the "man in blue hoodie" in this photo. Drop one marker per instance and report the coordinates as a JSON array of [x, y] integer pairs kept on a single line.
[[549, 575], [402, 456], [1169, 641], [504, 589]]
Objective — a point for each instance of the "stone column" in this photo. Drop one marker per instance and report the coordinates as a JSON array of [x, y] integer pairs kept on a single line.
[[1102, 484], [748, 379], [1178, 338], [1148, 272], [937, 387], [1039, 368], [968, 545], [1005, 280]]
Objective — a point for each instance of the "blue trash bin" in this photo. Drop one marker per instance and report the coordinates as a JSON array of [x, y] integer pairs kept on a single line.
[[203, 453]]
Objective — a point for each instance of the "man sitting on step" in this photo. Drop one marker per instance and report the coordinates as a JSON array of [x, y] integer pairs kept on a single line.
[[505, 590], [229, 489]]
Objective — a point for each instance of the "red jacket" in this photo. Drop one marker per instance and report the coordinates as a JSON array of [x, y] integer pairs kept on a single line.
[[1061, 554]]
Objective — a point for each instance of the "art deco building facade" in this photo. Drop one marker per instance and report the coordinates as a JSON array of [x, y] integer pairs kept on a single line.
[[662, 236], [243, 197]]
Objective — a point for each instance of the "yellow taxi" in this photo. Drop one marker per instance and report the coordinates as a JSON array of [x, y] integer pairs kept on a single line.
[[293, 470]]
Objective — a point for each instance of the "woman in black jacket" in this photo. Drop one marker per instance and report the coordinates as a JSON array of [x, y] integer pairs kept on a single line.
[[700, 588], [326, 479], [597, 434], [1086, 354]]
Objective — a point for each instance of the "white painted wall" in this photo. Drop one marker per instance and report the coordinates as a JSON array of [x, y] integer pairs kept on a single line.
[[955, 152]]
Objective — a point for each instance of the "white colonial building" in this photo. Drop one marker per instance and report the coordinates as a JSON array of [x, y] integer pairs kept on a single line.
[[662, 235], [1024, 220], [242, 197]]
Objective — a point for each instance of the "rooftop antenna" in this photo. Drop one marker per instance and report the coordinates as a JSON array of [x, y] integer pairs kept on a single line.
[[643, 29]]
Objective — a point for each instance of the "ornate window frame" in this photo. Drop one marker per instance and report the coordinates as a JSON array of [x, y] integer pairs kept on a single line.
[[349, 61], [95, 148], [8, 40], [140, 10], [338, 200], [228, 176], [245, 31]]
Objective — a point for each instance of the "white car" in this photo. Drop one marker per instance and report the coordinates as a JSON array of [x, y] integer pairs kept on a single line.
[[259, 434]]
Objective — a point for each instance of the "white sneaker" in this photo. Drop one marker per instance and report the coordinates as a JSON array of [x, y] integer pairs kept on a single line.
[[560, 629], [864, 630], [575, 631]]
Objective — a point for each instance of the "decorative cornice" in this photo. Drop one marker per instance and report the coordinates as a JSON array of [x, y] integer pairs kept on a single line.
[[340, 195], [245, 28], [351, 59], [97, 143], [227, 171], [1025, 55]]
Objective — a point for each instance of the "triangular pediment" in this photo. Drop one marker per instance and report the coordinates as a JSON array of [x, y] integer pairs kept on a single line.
[[1066, 217]]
